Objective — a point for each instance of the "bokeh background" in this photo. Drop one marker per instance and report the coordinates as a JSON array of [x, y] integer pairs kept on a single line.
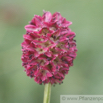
[[85, 77]]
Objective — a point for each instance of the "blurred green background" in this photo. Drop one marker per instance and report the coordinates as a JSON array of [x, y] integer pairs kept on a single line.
[[85, 77]]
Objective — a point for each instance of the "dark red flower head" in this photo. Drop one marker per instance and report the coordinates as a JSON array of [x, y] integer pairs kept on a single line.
[[48, 48]]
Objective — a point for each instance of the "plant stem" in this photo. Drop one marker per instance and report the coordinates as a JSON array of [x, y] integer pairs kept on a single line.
[[47, 92]]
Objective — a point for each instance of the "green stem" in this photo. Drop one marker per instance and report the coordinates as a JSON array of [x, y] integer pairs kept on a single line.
[[47, 92]]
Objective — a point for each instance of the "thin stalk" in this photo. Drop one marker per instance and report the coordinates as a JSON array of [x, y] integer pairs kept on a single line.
[[47, 93]]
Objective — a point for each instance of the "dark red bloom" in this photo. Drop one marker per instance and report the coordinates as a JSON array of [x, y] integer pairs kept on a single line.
[[48, 48]]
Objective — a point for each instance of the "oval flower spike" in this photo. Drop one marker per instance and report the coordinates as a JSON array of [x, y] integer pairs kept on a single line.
[[48, 49]]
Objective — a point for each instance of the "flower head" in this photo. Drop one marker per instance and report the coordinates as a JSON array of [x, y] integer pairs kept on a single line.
[[48, 48]]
